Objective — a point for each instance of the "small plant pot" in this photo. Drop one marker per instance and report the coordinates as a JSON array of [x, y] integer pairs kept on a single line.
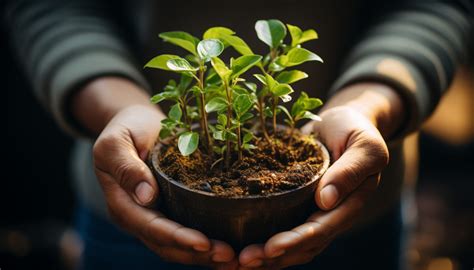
[[239, 221]]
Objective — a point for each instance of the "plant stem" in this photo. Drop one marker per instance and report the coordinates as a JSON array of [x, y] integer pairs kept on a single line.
[[275, 103], [239, 142], [204, 124], [229, 120], [262, 119], [185, 114], [292, 130]]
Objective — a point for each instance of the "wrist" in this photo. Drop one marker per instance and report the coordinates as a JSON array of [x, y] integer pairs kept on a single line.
[[377, 102], [97, 102]]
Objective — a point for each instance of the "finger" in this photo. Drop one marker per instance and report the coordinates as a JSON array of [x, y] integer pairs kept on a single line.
[[221, 252], [148, 224], [293, 259], [115, 154], [365, 154], [188, 257], [192, 257], [252, 256], [311, 127], [341, 218], [321, 227], [311, 232]]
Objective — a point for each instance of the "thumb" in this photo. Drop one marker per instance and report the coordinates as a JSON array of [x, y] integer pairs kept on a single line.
[[364, 156], [116, 154]]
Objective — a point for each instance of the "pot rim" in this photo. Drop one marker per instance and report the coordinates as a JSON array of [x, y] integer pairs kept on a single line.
[[326, 161]]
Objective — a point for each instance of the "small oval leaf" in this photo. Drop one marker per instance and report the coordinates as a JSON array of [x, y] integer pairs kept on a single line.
[[271, 32], [209, 48], [181, 39], [216, 104], [291, 76], [244, 63], [188, 143], [298, 56], [180, 65], [160, 61]]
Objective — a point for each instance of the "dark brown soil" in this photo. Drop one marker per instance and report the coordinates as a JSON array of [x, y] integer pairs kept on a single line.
[[270, 168]]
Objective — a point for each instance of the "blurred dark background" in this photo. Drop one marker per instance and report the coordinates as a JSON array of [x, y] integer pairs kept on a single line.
[[37, 201]]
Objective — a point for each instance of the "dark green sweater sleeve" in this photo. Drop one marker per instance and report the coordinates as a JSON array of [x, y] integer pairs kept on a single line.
[[63, 44], [415, 50]]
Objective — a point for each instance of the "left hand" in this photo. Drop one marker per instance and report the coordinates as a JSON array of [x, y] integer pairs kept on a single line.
[[359, 153]]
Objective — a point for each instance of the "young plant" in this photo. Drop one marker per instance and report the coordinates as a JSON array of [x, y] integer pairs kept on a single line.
[[280, 57], [301, 109], [210, 85]]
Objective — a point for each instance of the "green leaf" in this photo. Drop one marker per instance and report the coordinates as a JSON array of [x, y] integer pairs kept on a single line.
[[184, 82], [209, 48], [285, 110], [230, 135], [216, 104], [180, 65], [217, 32], [238, 44], [247, 137], [271, 32], [275, 66], [222, 119], [220, 68], [308, 35], [299, 37], [261, 78], [270, 82], [244, 63], [268, 112], [167, 95], [295, 33], [181, 39], [291, 76], [310, 115], [251, 86], [160, 61], [246, 116], [298, 56], [227, 37], [239, 90], [304, 103], [241, 104], [249, 146], [218, 135], [281, 90], [188, 143], [175, 112], [165, 132]]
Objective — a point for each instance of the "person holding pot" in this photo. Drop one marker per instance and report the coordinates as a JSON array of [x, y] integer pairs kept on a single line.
[[386, 67]]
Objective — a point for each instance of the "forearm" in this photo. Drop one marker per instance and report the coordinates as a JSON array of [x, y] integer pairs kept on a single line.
[[94, 105], [378, 102]]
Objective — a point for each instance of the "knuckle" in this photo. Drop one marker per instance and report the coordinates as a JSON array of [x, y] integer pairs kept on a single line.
[[352, 175]]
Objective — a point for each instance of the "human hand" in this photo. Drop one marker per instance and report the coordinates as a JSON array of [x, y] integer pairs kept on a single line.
[[351, 129], [129, 187]]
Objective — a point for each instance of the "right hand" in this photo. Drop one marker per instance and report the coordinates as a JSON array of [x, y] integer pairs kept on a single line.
[[130, 188]]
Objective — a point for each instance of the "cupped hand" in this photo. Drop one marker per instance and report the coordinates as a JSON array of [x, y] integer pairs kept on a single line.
[[359, 153], [130, 188]]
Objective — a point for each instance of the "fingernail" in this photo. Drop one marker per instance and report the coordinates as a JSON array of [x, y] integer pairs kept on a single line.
[[201, 248], [278, 253], [254, 263], [144, 193], [329, 196], [218, 257]]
